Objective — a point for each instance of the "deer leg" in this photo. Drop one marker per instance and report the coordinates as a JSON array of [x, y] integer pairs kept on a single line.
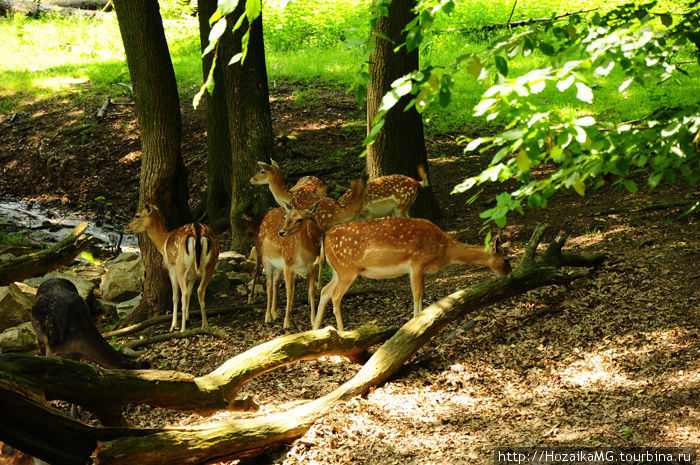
[[186, 286], [312, 293], [176, 291], [417, 286], [256, 274], [276, 277], [201, 292], [290, 284], [341, 288], [268, 274], [319, 282], [323, 300]]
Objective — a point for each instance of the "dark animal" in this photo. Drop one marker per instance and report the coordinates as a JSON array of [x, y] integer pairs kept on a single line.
[[64, 328]]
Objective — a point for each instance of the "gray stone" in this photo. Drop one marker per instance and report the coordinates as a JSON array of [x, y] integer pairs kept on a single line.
[[219, 285], [29, 291], [19, 338], [109, 309], [14, 307], [129, 261], [230, 255], [124, 257], [119, 285], [125, 308], [84, 286]]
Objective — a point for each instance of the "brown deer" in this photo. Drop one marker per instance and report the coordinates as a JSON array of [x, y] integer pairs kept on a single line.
[[189, 252], [11, 456], [271, 175], [289, 243], [391, 247], [389, 195]]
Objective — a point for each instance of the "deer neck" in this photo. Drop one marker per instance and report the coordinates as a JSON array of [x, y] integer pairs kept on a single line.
[[158, 233], [279, 192], [468, 254]]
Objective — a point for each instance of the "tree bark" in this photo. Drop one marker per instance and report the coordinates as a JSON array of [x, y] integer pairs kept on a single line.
[[163, 174], [250, 124], [43, 261], [219, 156], [400, 145]]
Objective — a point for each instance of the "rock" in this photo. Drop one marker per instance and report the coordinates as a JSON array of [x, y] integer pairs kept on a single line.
[[125, 308], [131, 262], [29, 291], [230, 255], [237, 278], [242, 289], [14, 307], [119, 285], [84, 286], [225, 266], [92, 275], [218, 285], [109, 309], [19, 338]]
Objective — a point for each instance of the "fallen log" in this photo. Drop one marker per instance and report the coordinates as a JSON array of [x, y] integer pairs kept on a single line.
[[105, 392], [43, 261], [53, 7]]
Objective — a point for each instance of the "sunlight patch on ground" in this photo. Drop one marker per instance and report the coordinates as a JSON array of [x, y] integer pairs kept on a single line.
[[595, 368], [595, 237], [131, 157]]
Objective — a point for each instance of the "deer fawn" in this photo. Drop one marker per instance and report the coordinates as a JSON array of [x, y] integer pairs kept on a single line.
[[189, 252], [289, 243], [389, 195], [271, 175], [391, 247]]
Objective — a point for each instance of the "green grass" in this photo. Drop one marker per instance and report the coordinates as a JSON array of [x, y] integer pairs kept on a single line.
[[308, 41]]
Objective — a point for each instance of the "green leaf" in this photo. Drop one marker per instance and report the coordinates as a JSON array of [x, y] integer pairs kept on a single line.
[[631, 186], [235, 59], [474, 144], [566, 83], [584, 93], [666, 19], [654, 180], [580, 188], [546, 49], [501, 65], [484, 106], [585, 121], [216, 31], [475, 66], [253, 8], [523, 161]]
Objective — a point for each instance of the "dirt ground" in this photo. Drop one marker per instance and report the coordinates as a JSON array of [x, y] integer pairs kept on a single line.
[[611, 360]]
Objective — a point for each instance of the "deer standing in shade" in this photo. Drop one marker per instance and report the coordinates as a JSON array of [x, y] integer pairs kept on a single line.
[[391, 247], [189, 252], [271, 175]]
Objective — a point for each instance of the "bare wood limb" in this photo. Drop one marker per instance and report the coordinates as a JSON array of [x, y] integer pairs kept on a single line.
[[177, 335], [43, 261], [523, 22], [103, 108], [511, 13]]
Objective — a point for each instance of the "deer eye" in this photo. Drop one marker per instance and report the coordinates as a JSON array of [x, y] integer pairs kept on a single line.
[[298, 220]]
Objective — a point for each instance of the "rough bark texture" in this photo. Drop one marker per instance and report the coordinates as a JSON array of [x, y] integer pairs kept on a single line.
[[400, 146], [218, 142], [163, 174], [250, 125], [43, 261]]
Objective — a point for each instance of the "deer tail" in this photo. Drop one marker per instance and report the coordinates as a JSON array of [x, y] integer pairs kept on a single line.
[[423, 176]]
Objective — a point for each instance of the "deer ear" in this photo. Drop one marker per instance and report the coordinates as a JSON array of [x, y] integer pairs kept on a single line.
[[148, 208], [312, 209], [247, 218], [496, 245], [287, 207], [274, 163], [263, 165]]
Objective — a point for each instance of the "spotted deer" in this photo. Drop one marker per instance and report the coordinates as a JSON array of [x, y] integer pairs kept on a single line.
[[290, 244], [389, 195], [271, 175], [390, 247], [189, 252]]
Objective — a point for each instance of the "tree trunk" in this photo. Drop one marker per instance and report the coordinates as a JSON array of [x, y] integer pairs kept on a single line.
[[400, 146], [218, 143], [43, 261], [163, 174], [250, 124]]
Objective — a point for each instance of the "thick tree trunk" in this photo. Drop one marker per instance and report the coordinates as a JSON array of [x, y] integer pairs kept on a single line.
[[400, 146], [163, 173], [218, 143], [250, 124], [43, 261]]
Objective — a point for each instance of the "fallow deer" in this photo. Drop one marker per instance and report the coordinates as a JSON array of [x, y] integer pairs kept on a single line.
[[391, 247], [271, 175], [389, 195], [189, 252], [64, 327], [11, 456], [289, 243], [328, 212]]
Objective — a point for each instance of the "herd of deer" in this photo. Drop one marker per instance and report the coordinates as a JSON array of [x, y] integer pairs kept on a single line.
[[351, 233]]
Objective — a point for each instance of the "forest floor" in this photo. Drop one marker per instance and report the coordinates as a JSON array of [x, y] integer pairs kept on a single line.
[[612, 360]]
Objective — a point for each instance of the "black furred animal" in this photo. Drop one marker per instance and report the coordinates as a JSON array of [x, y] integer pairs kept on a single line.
[[64, 328]]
